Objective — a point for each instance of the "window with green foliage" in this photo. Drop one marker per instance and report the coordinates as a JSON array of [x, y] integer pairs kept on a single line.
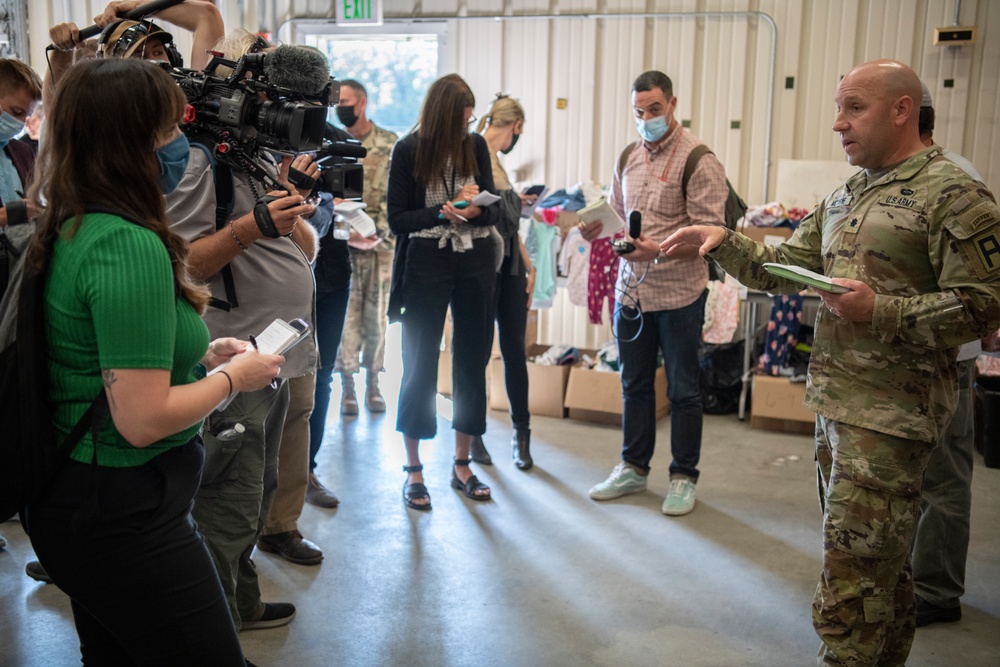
[[396, 70]]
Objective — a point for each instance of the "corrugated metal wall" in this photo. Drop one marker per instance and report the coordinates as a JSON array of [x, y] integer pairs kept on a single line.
[[720, 65]]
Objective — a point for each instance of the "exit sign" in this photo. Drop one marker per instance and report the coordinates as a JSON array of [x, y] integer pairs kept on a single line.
[[359, 12]]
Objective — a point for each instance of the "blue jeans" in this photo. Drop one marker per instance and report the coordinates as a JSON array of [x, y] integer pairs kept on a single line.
[[677, 333], [331, 309]]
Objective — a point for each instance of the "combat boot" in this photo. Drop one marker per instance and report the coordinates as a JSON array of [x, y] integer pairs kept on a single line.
[[349, 400], [373, 397]]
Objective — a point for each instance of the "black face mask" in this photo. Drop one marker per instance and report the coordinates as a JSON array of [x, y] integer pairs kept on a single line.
[[346, 116], [513, 142]]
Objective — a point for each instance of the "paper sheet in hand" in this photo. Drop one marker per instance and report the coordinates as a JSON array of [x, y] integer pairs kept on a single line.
[[540, 192], [345, 208], [601, 210], [277, 338], [362, 223], [485, 198], [805, 277]]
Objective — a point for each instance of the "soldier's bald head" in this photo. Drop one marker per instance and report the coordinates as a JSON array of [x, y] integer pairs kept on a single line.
[[892, 79]]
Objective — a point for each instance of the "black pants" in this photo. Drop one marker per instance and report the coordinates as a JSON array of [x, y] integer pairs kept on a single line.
[[512, 318], [120, 542], [331, 309], [434, 278]]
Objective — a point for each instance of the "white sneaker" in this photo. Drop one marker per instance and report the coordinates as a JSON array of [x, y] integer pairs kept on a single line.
[[680, 497], [624, 480]]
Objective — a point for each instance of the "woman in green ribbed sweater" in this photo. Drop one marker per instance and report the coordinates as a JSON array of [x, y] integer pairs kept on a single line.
[[113, 529]]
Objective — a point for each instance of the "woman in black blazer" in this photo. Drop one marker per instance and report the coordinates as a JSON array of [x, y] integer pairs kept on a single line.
[[445, 256]]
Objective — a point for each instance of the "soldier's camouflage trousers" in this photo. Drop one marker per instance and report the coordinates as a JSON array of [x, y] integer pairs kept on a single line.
[[869, 489]]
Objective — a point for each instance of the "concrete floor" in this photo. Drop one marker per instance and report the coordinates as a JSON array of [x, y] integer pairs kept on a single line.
[[543, 575]]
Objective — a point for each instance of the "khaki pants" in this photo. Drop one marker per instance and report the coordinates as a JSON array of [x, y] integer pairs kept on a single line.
[[293, 460], [237, 486]]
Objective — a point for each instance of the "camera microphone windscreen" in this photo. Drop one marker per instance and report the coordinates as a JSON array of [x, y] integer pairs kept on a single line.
[[634, 224], [297, 68]]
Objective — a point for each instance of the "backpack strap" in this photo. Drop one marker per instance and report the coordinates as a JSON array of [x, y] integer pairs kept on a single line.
[[222, 175], [623, 158], [690, 165]]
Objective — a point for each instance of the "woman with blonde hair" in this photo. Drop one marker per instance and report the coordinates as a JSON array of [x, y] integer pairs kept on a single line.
[[444, 257], [501, 128]]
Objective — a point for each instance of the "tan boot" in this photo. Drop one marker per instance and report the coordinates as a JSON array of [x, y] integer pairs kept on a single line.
[[373, 397], [349, 400]]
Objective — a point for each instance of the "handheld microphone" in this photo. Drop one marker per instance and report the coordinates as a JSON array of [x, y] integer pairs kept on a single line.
[[622, 246], [634, 224]]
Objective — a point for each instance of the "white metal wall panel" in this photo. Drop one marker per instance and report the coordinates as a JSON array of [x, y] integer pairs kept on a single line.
[[525, 48], [720, 68], [982, 140]]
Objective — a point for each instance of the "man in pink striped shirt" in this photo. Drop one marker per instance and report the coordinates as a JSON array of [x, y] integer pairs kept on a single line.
[[660, 301]]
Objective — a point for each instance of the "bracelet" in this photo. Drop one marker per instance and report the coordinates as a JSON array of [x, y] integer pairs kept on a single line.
[[235, 237], [230, 379]]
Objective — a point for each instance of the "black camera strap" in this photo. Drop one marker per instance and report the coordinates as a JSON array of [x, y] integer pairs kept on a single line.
[[224, 197]]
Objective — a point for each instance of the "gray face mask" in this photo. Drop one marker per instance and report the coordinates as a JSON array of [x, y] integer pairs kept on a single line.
[[10, 127]]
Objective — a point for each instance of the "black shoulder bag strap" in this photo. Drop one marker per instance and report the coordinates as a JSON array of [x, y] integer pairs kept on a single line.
[[224, 196]]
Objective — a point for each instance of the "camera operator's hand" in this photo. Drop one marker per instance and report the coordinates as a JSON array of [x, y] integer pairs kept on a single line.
[[285, 211], [65, 36], [304, 163], [113, 11]]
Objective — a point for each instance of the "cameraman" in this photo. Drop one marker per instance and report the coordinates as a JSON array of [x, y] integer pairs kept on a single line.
[[201, 18], [268, 277]]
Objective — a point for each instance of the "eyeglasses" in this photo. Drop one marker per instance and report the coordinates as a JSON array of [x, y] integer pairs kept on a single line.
[[472, 119]]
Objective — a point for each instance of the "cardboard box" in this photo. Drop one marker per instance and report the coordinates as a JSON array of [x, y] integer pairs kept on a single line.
[[776, 405], [546, 386], [766, 235], [597, 395]]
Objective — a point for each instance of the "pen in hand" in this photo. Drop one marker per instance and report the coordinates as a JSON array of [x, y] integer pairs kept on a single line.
[[253, 341]]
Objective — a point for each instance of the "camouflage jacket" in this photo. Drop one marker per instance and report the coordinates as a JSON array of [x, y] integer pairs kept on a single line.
[[379, 143], [926, 238]]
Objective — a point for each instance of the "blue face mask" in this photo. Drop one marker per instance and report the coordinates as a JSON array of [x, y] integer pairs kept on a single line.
[[653, 129], [10, 127], [173, 159]]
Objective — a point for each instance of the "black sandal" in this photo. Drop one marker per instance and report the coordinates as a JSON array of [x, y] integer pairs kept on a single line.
[[415, 491], [472, 485]]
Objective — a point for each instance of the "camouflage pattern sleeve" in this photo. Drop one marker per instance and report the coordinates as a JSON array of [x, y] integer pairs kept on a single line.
[[964, 251], [379, 143], [744, 259]]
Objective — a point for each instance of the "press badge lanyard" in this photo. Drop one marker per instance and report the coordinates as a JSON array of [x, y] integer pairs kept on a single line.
[[663, 178]]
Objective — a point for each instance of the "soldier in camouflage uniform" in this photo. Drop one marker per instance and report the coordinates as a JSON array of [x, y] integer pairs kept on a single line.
[[367, 309], [918, 244]]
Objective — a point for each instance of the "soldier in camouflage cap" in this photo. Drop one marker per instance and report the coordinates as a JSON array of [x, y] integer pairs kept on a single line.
[[371, 266], [917, 242]]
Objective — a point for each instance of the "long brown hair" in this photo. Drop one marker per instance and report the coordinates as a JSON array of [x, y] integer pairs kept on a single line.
[[442, 132], [100, 133]]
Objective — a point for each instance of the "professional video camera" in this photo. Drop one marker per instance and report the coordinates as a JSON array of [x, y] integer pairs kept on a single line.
[[340, 173], [229, 114]]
